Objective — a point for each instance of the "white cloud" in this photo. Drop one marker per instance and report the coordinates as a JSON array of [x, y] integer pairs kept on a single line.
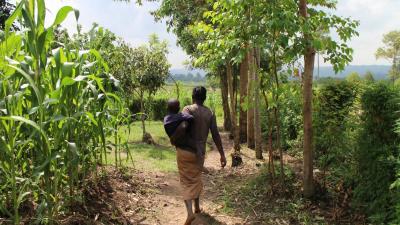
[[376, 17]]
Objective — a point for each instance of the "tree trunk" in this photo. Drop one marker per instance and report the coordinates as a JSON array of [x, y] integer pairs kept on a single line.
[[225, 101], [257, 121], [271, 166], [277, 116], [234, 128], [142, 117], [244, 76], [250, 109], [309, 58]]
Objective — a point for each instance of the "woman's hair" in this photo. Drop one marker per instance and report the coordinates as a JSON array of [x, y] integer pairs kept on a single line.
[[199, 94]]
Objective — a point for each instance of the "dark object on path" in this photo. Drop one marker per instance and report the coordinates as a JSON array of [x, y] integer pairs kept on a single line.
[[148, 139], [236, 160]]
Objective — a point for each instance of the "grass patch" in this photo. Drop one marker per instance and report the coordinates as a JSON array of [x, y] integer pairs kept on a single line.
[[160, 157], [257, 198], [149, 158], [133, 133], [154, 158]]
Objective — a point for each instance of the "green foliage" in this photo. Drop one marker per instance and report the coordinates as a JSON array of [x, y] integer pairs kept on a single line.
[[248, 199], [159, 109], [391, 52], [151, 67], [377, 153], [143, 70], [396, 185], [57, 107], [354, 78], [231, 26], [334, 124], [179, 15], [291, 116], [156, 107], [369, 77]]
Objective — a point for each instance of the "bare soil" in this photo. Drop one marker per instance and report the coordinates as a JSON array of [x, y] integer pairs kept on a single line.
[[154, 198]]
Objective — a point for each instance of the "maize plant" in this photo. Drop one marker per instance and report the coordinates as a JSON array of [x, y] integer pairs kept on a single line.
[[57, 106]]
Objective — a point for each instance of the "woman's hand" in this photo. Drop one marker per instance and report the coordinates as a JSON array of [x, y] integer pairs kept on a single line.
[[223, 161]]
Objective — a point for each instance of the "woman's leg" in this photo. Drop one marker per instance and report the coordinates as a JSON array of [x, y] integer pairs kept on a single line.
[[190, 216], [197, 205]]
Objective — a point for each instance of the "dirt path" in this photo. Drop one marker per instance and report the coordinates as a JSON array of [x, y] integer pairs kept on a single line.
[[171, 210]]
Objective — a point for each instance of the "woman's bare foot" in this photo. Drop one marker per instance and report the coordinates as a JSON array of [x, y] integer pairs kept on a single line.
[[189, 220]]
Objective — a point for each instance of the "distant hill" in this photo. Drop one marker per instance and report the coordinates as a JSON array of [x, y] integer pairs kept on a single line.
[[379, 71], [176, 71]]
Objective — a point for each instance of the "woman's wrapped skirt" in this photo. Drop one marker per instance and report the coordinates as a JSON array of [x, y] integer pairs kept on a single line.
[[189, 174]]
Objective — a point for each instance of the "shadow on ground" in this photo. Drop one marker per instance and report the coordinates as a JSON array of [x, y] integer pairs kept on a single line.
[[206, 219]]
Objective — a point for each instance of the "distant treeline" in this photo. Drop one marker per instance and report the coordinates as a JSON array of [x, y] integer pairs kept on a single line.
[[380, 72], [189, 77]]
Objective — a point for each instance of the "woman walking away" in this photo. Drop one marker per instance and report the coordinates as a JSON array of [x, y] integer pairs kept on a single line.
[[191, 165]]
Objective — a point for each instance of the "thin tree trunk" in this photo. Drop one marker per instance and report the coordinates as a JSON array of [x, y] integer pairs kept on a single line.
[[225, 101], [257, 121], [277, 116], [235, 130], [309, 59], [142, 113], [250, 109], [244, 71], [271, 166], [235, 93]]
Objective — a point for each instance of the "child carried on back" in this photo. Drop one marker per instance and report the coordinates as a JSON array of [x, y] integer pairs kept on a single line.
[[180, 138]]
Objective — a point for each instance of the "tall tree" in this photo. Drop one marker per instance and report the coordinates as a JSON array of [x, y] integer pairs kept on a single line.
[[309, 59], [391, 51], [257, 120], [225, 99], [251, 105], [226, 32], [179, 15], [312, 21], [149, 70], [234, 127], [244, 76]]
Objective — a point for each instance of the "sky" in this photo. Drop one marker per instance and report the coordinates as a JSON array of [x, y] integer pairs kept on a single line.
[[134, 24]]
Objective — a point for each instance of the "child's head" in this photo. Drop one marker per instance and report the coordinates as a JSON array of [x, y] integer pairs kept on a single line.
[[173, 106]]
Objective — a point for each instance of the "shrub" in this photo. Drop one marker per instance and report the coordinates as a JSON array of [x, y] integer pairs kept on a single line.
[[185, 101], [333, 128], [396, 185], [291, 116], [376, 154], [155, 109], [158, 109], [134, 108]]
